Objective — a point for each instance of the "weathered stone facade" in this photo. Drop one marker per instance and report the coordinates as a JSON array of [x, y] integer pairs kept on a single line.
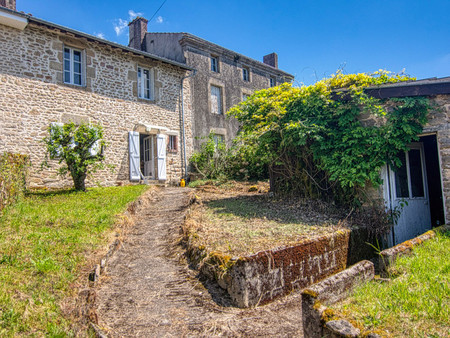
[[33, 95], [439, 124], [227, 75]]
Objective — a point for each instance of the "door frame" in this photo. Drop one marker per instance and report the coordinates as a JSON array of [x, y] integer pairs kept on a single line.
[[390, 190]]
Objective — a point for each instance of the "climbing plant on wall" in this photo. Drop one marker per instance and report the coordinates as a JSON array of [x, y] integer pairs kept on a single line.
[[330, 139]]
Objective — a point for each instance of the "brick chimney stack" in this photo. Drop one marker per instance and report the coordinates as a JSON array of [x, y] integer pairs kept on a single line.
[[271, 60], [137, 29], [10, 4]]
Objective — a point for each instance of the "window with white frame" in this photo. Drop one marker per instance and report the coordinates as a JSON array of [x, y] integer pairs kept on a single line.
[[214, 64], [145, 83], [272, 81], [216, 100], [73, 66], [245, 74]]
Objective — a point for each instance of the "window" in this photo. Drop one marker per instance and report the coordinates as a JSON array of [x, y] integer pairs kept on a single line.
[[218, 139], [272, 82], [245, 97], [214, 64], [172, 144], [73, 66], [216, 100], [245, 74], [145, 83]]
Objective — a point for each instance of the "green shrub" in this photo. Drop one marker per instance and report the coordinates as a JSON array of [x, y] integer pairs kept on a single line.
[[313, 138], [13, 174]]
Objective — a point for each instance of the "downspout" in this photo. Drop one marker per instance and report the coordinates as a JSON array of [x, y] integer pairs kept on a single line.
[[183, 132]]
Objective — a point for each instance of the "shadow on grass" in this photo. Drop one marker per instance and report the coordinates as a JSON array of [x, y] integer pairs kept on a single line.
[[50, 193]]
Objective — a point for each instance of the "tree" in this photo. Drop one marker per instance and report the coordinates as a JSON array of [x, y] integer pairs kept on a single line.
[[79, 148]]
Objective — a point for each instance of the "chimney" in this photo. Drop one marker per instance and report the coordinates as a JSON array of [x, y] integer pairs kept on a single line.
[[10, 4], [271, 60], [137, 29]]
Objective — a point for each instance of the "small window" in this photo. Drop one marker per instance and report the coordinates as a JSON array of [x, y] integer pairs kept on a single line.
[[245, 97], [145, 83], [214, 64], [245, 74], [172, 144], [216, 100], [73, 66], [218, 139], [272, 82]]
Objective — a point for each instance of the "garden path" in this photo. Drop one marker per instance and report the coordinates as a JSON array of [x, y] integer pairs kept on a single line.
[[149, 290]]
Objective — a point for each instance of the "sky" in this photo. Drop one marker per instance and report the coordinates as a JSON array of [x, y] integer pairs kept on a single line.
[[313, 38]]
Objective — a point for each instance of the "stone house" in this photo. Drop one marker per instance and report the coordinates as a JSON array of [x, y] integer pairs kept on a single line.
[[223, 77], [423, 181], [54, 74]]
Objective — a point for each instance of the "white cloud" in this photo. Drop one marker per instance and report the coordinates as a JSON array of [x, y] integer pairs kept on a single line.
[[132, 14], [121, 24], [100, 35], [159, 19]]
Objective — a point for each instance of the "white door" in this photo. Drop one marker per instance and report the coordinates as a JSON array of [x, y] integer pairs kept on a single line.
[[133, 149], [409, 195], [161, 151], [149, 163]]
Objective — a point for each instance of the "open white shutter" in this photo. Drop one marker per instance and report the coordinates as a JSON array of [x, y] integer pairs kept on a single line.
[[161, 150], [133, 146]]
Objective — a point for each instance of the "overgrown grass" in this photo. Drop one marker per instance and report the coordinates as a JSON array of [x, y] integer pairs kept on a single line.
[[417, 300], [239, 223], [45, 239]]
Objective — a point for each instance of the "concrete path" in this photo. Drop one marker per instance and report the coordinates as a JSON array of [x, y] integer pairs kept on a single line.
[[149, 291]]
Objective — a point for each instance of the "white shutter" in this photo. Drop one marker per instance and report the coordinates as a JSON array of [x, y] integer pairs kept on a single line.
[[133, 146], [161, 150]]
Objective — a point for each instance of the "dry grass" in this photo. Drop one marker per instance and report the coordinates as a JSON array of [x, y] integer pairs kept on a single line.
[[236, 222]]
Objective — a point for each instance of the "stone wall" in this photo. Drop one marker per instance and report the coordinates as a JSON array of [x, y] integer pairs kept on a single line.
[[33, 95], [230, 79], [318, 319], [260, 278], [439, 123]]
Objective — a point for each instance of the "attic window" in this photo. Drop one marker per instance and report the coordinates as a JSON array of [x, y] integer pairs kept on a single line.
[[214, 64], [245, 74]]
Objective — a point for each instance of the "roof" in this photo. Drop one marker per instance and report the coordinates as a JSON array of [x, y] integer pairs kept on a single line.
[[51, 25], [202, 42], [424, 87]]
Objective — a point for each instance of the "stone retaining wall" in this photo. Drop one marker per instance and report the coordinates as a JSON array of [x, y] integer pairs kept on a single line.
[[262, 277], [388, 256], [320, 321]]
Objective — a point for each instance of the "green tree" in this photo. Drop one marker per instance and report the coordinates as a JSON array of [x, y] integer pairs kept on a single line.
[[78, 148]]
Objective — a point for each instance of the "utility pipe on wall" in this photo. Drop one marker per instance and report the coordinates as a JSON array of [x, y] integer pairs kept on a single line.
[[183, 137]]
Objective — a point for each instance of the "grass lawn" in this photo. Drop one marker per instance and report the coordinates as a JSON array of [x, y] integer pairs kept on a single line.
[[45, 240], [416, 302], [237, 222]]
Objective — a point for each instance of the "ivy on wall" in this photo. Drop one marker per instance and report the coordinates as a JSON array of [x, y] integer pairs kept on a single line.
[[329, 140]]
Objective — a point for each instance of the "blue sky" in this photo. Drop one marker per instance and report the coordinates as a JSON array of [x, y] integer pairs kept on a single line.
[[313, 38]]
